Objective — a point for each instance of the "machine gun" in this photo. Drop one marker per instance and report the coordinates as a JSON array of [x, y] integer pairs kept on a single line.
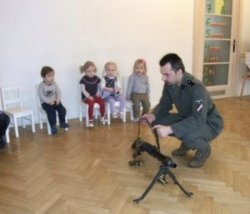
[[138, 139], [139, 147]]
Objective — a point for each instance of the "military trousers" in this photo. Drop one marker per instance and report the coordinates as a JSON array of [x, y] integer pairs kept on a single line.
[[194, 138]]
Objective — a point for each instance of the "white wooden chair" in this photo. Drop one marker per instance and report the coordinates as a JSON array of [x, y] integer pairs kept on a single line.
[[129, 105], [7, 135], [42, 115], [13, 106], [108, 111], [246, 75]]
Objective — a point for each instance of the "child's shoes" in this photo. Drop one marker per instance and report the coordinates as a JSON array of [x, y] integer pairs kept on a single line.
[[136, 120], [103, 121], [53, 130], [115, 115], [121, 115], [65, 126], [91, 123]]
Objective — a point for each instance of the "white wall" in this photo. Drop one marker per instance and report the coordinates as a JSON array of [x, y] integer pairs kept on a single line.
[[64, 34]]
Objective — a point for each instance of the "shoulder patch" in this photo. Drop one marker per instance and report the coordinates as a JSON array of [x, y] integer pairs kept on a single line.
[[199, 105], [190, 82]]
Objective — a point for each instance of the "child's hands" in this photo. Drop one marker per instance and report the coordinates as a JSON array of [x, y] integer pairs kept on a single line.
[[57, 101], [109, 89], [117, 90], [90, 98], [52, 102], [98, 94]]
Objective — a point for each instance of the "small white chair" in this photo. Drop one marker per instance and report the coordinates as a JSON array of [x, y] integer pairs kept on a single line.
[[129, 105], [13, 106], [42, 115], [108, 110], [7, 135]]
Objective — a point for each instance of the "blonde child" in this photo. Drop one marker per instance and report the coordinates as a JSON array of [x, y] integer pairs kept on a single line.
[[50, 98], [138, 89], [91, 91], [111, 89]]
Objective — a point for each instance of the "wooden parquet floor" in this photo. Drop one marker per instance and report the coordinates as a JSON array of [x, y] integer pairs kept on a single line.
[[86, 171]]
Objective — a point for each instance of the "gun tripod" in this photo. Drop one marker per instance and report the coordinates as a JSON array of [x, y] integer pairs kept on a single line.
[[139, 147]]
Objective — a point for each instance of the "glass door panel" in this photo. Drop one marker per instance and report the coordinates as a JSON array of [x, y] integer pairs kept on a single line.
[[217, 42], [219, 7], [216, 51], [215, 74], [217, 27]]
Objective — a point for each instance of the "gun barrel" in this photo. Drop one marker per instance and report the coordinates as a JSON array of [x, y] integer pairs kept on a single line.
[[154, 151]]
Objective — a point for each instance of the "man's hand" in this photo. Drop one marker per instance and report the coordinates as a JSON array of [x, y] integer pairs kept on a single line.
[[149, 117], [163, 131]]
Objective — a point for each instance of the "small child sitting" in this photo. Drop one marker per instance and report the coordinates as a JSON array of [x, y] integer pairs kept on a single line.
[[111, 89], [138, 89], [91, 91], [50, 98]]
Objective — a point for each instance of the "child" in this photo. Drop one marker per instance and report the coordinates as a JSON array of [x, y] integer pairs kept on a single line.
[[4, 123], [50, 98], [111, 89], [91, 91], [138, 88]]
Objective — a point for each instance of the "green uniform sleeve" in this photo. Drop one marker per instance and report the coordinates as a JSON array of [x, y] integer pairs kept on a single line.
[[198, 115]]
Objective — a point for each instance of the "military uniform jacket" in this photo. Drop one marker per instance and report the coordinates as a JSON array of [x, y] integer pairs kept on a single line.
[[193, 103]]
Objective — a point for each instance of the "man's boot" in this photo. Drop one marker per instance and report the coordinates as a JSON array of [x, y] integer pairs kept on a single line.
[[200, 157], [182, 150]]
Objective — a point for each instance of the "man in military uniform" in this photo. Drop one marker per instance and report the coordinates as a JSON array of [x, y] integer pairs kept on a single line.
[[197, 121], [4, 122]]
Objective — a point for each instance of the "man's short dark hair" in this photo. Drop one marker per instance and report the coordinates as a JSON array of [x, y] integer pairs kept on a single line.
[[46, 70], [174, 60]]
